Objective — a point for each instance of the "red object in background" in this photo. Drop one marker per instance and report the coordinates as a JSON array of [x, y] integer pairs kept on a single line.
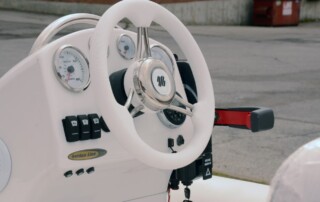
[[276, 12]]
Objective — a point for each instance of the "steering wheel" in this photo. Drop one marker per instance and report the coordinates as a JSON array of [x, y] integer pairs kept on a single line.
[[145, 87], [55, 27]]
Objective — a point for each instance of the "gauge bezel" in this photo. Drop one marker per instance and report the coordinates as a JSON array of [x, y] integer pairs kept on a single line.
[[166, 52], [134, 45], [56, 64]]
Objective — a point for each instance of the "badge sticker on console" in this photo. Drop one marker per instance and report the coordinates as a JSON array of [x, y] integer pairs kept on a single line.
[[87, 154]]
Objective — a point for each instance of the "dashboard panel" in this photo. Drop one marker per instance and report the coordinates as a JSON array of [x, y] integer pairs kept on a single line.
[[82, 103]]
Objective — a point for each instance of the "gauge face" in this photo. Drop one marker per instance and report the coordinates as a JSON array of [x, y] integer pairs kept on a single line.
[[157, 52], [126, 47], [171, 118], [72, 69]]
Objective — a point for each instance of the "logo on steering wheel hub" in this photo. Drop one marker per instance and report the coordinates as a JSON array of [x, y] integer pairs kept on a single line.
[[160, 81]]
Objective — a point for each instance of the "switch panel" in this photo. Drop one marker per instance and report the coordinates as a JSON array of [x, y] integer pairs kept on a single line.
[[207, 166], [82, 127], [201, 167]]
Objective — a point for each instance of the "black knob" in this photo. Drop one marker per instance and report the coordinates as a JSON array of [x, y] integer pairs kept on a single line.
[[68, 173], [90, 170], [180, 140], [80, 172]]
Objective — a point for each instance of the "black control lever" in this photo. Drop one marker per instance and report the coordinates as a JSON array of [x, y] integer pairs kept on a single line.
[[252, 118]]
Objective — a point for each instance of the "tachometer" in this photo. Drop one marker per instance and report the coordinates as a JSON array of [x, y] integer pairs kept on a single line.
[[72, 68], [158, 52], [126, 47]]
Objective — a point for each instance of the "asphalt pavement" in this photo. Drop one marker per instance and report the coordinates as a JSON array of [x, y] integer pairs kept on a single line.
[[277, 68]]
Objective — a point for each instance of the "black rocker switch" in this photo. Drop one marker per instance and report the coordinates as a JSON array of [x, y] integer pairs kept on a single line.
[[84, 127], [94, 121], [71, 128]]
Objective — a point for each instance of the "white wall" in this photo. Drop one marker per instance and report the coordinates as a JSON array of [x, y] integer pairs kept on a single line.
[[310, 10]]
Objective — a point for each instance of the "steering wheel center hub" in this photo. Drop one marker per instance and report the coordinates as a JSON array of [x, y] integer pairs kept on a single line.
[[161, 81], [154, 84]]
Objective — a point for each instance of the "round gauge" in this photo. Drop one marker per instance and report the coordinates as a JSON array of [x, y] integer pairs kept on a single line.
[[72, 68], [158, 52], [126, 47], [170, 118]]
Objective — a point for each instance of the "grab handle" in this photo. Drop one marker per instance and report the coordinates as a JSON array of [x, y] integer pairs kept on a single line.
[[252, 118]]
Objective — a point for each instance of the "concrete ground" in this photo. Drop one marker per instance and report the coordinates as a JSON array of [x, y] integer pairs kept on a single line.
[[250, 66]]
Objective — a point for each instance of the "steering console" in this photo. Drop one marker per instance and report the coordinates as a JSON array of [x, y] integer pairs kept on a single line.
[[151, 84]]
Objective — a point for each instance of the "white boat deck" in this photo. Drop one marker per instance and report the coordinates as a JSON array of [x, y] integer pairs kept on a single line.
[[220, 189]]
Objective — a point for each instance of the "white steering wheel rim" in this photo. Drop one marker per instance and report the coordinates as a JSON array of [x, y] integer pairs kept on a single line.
[[142, 13]]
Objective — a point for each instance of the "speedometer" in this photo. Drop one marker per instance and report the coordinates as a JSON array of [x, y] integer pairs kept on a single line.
[[72, 68], [158, 52]]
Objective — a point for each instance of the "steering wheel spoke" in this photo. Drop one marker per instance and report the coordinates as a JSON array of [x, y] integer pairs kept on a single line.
[[181, 110], [143, 45], [183, 102], [181, 105], [128, 105], [129, 99], [136, 110]]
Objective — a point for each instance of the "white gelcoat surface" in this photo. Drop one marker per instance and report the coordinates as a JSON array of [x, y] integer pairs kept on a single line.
[[220, 189], [35, 102]]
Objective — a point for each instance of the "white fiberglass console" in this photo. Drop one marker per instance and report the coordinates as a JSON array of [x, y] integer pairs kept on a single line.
[[52, 103], [107, 114]]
